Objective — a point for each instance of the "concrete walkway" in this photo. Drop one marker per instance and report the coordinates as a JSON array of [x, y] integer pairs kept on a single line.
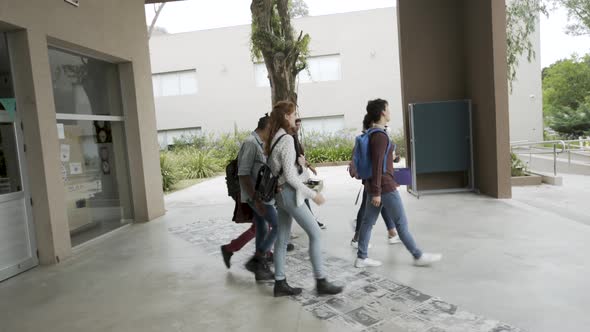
[[505, 261]]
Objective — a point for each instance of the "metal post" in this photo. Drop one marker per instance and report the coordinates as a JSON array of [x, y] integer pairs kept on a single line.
[[554, 159]]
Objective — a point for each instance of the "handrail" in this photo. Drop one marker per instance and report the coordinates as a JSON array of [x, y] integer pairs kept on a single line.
[[566, 146]]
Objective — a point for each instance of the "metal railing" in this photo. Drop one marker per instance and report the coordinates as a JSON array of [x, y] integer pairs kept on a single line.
[[576, 147]]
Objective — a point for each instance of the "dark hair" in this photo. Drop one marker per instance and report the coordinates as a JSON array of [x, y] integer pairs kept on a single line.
[[278, 121], [262, 122], [374, 109]]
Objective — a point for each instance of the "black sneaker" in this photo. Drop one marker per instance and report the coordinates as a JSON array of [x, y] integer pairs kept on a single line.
[[324, 287], [252, 264], [322, 226], [290, 247], [263, 272], [282, 288], [226, 256]]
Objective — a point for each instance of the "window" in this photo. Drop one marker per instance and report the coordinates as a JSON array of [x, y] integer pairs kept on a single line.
[[323, 124], [319, 69], [93, 148], [168, 137], [177, 83]]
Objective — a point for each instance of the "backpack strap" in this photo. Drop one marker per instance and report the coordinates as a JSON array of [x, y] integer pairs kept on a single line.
[[273, 147], [370, 131]]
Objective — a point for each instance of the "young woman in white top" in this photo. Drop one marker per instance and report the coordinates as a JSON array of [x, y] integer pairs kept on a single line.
[[290, 201]]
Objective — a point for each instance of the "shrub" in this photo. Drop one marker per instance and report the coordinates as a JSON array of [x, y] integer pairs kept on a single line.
[[518, 168], [197, 164], [169, 170]]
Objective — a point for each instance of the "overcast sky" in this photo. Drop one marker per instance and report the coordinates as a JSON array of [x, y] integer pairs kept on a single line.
[[191, 15]]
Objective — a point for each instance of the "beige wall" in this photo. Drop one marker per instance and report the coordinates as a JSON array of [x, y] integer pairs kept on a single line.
[[456, 49], [365, 40], [111, 30]]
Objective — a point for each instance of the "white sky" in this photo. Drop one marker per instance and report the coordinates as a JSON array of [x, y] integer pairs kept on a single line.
[[191, 15]]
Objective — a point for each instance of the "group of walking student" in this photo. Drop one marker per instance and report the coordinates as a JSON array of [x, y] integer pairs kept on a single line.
[[274, 145]]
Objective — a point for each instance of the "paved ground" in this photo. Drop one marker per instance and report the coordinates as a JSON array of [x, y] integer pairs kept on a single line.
[[521, 261]]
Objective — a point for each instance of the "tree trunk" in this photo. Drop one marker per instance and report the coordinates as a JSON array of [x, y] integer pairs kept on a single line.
[[278, 46]]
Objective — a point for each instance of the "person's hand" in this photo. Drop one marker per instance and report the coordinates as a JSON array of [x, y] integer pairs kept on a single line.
[[312, 169], [376, 201], [319, 199], [301, 161], [260, 208]]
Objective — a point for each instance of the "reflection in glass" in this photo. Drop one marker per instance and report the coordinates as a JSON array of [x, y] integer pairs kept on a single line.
[[83, 85], [95, 174]]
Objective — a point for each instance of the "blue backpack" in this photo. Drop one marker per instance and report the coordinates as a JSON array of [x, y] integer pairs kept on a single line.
[[362, 166]]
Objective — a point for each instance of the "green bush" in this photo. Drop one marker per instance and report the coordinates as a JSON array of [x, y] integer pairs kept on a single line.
[[169, 170], [197, 164], [399, 138], [320, 148], [518, 168]]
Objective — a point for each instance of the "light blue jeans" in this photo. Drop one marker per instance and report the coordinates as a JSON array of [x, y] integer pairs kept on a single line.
[[392, 202], [288, 210]]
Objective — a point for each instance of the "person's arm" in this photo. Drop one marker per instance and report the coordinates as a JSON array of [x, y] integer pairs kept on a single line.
[[246, 161], [287, 159], [377, 144]]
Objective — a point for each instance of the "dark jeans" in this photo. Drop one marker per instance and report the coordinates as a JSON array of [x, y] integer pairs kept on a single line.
[[265, 239]]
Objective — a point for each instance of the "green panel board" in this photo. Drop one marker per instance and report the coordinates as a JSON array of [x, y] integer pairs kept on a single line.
[[441, 133]]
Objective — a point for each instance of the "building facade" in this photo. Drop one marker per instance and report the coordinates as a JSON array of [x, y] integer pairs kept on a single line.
[[77, 119], [205, 81]]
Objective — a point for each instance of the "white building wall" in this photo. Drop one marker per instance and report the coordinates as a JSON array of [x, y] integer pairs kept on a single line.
[[526, 99], [367, 42]]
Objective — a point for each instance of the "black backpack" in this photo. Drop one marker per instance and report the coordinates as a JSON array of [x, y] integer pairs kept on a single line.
[[232, 180], [266, 182]]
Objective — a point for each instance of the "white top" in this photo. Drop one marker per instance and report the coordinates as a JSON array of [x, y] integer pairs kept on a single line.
[[284, 156]]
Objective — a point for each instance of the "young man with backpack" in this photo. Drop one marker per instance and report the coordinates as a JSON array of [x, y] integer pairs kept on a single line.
[[250, 158], [373, 161]]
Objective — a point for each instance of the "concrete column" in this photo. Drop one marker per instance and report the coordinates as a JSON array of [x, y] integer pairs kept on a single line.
[[34, 97], [456, 49]]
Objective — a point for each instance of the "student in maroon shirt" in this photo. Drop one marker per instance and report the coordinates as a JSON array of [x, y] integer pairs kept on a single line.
[[382, 192]]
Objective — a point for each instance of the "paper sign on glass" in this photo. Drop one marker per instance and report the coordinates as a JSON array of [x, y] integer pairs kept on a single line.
[[75, 168], [64, 152], [60, 131]]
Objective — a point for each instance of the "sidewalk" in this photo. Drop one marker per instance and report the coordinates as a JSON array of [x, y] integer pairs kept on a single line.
[[504, 261]]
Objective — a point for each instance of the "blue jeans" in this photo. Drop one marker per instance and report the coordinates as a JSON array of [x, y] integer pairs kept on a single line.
[[359, 216], [392, 202], [265, 238], [287, 209]]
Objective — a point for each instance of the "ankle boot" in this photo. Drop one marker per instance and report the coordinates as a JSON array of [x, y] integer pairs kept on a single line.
[[263, 272], [324, 287], [282, 288]]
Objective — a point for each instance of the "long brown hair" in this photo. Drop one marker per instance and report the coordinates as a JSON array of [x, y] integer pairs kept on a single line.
[[278, 121]]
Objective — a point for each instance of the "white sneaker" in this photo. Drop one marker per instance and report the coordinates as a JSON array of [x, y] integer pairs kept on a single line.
[[395, 240], [427, 259], [355, 244], [367, 262]]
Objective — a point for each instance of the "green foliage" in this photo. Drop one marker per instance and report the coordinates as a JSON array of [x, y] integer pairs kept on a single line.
[[521, 23], [518, 168], [198, 164], [169, 170], [320, 148], [578, 14], [572, 123], [298, 8], [566, 96], [399, 138]]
